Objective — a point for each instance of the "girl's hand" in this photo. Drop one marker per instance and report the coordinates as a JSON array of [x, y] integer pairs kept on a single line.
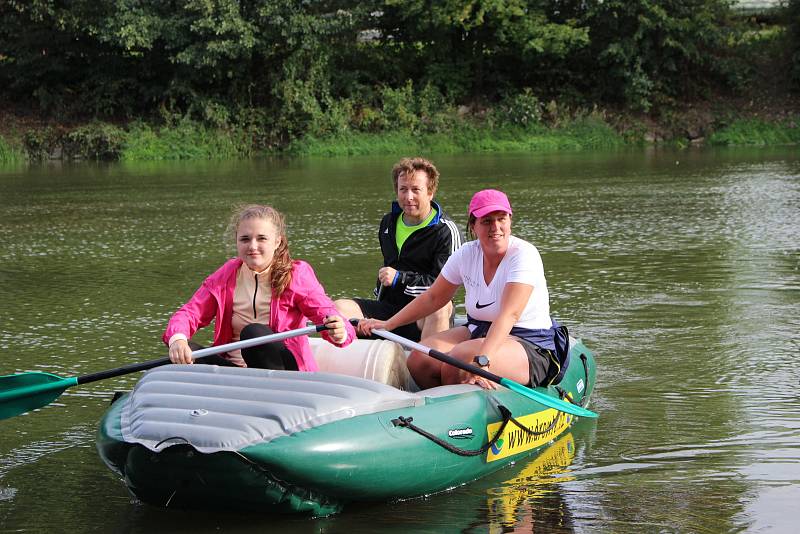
[[336, 328], [179, 352]]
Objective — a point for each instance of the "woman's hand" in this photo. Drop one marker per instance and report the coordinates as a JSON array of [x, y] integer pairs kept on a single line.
[[336, 328], [479, 381], [179, 352], [366, 326]]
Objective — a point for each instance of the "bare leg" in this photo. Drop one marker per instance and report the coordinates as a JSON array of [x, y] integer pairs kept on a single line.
[[510, 361], [427, 371], [438, 321], [349, 309]]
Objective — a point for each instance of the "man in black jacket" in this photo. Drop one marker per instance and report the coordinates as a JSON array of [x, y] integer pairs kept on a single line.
[[416, 239]]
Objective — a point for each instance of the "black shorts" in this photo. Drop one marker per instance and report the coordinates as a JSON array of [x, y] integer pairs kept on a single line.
[[539, 361], [381, 310]]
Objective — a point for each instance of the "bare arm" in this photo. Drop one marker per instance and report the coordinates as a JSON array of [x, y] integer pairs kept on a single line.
[[515, 298], [439, 294]]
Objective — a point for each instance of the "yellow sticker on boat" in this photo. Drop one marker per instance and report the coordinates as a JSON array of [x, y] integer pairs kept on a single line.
[[545, 426]]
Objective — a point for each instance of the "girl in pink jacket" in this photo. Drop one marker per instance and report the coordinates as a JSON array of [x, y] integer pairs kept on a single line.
[[259, 292]]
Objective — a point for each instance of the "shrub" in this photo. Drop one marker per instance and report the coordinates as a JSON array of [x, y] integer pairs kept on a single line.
[[399, 107], [9, 154], [334, 120], [98, 141], [185, 140], [521, 109], [42, 143]]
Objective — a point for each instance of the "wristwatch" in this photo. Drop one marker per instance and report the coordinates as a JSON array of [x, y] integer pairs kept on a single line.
[[481, 360]]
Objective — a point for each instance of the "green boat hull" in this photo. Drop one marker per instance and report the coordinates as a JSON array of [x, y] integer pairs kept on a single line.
[[450, 439]]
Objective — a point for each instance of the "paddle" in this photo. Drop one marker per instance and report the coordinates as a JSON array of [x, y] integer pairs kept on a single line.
[[516, 387], [23, 392]]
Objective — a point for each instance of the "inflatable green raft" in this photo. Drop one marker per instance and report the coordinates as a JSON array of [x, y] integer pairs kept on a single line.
[[292, 442]]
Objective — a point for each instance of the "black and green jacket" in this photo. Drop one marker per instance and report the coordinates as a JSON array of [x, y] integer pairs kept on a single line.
[[422, 258]]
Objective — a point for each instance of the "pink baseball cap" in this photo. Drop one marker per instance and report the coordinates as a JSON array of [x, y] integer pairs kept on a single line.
[[487, 201]]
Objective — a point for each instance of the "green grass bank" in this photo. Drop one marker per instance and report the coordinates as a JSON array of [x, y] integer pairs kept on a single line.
[[757, 132], [9, 154], [580, 134], [189, 140]]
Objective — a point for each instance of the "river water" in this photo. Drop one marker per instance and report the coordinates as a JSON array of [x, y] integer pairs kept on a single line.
[[680, 269]]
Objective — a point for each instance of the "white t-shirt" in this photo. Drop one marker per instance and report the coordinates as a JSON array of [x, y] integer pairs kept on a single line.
[[522, 263]]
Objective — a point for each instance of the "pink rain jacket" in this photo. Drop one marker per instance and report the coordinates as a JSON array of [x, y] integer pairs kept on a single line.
[[304, 299]]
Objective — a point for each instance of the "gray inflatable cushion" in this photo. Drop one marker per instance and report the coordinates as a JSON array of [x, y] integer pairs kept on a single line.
[[227, 408]]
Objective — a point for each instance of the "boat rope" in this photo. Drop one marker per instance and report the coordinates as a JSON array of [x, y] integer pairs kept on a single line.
[[407, 423], [586, 374], [532, 432], [566, 396]]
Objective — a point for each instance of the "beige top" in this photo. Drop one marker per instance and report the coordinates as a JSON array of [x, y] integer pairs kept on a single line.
[[251, 303]]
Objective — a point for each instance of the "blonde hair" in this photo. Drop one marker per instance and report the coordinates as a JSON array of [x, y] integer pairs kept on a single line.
[[281, 268], [408, 166]]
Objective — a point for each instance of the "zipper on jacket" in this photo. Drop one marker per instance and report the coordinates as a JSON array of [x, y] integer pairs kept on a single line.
[[254, 297]]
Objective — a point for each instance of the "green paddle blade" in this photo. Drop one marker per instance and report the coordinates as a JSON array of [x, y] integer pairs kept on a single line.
[[24, 392], [547, 400]]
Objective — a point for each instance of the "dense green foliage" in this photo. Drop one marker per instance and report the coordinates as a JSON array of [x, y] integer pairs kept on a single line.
[[140, 141], [651, 51], [758, 133], [233, 76], [793, 19], [185, 140], [9, 154], [580, 134]]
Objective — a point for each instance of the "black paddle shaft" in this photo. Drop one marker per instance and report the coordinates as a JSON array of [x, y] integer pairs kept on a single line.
[[441, 356], [124, 370], [144, 366], [474, 369]]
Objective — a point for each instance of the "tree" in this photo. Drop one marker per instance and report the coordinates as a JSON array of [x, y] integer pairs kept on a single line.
[[643, 50], [477, 48]]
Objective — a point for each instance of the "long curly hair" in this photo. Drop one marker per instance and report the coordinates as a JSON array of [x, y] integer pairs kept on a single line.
[[281, 266]]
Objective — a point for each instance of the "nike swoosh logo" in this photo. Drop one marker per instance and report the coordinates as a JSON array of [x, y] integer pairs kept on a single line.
[[480, 306]]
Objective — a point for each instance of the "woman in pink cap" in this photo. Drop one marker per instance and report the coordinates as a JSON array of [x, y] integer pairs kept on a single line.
[[509, 329]]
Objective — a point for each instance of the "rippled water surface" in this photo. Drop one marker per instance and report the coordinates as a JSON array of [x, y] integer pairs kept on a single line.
[[680, 269]]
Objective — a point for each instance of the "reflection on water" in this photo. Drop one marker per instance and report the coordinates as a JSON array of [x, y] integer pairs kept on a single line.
[[514, 506], [32, 452], [681, 270]]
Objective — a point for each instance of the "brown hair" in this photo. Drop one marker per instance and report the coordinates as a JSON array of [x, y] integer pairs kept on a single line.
[[281, 268], [408, 166], [470, 224]]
